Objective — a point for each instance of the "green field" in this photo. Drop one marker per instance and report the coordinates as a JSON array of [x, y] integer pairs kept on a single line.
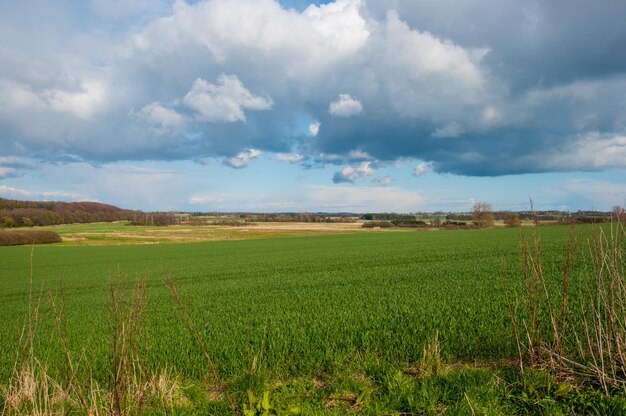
[[346, 313]]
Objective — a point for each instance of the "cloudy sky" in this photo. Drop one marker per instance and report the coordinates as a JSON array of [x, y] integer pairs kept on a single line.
[[352, 105]]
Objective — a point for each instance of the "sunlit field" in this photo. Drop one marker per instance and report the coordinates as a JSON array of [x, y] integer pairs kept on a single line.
[[352, 313]]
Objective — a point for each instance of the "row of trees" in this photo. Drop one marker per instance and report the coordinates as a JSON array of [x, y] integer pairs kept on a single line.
[[153, 218], [15, 213], [483, 216], [296, 217]]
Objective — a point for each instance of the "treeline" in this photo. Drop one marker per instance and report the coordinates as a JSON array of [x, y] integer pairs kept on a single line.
[[15, 213], [387, 216], [153, 218], [298, 217]]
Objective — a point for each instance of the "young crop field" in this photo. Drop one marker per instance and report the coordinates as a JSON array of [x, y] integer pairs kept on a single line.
[[330, 324]]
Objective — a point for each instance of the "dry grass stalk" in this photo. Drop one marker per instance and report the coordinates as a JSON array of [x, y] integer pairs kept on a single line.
[[196, 333], [602, 346], [431, 364], [597, 348], [130, 349], [73, 383], [32, 390]]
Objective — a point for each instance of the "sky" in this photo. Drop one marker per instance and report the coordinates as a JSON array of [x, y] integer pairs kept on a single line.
[[351, 105]]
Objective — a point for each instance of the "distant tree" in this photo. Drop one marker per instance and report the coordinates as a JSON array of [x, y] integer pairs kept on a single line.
[[483, 215], [619, 213], [154, 218], [163, 219], [511, 219], [27, 222], [8, 222]]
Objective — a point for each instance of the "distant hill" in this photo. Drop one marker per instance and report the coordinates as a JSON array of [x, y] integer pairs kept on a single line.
[[15, 213]]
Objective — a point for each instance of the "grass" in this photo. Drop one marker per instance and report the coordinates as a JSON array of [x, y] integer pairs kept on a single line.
[[326, 324]]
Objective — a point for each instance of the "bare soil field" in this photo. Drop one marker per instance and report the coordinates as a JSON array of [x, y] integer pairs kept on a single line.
[[121, 233]]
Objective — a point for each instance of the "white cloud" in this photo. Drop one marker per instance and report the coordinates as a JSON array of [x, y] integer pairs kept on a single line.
[[16, 96], [82, 102], [17, 193], [224, 101], [8, 171], [421, 74], [295, 62], [345, 106], [243, 159], [289, 157], [421, 169], [450, 130], [588, 151], [328, 157], [385, 180], [306, 42], [358, 154], [314, 128], [352, 173], [68, 88], [162, 117], [339, 24], [422, 54]]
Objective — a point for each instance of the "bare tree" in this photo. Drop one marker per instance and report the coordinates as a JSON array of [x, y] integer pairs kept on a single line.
[[483, 216], [619, 213], [511, 219]]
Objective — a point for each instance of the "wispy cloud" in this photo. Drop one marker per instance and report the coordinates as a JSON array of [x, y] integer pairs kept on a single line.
[[421, 169], [289, 157], [17, 193], [243, 159], [385, 180]]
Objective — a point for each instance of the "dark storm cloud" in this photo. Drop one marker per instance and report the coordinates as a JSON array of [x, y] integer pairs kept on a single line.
[[533, 43]]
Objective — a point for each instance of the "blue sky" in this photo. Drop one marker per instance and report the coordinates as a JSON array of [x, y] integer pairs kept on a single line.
[[351, 105]]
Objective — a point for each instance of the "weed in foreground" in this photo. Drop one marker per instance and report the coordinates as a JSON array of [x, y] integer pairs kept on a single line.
[[547, 337]]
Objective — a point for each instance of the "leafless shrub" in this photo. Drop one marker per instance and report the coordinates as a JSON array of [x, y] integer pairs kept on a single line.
[[25, 237], [511, 219], [483, 215]]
